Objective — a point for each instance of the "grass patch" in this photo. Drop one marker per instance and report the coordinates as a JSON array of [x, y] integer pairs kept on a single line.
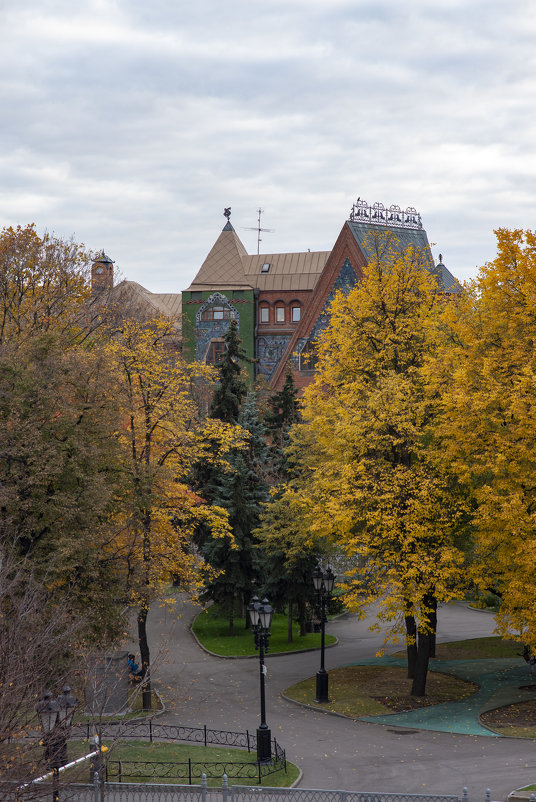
[[166, 752], [377, 690], [212, 630], [475, 649]]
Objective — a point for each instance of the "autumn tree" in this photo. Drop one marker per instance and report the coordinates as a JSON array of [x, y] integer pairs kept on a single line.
[[44, 287], [39, 649], [486, 374], [59, 466], [161, 435], [367, 475]]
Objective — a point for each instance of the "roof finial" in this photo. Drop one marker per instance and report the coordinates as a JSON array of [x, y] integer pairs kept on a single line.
[[227, 212], [440, 258]]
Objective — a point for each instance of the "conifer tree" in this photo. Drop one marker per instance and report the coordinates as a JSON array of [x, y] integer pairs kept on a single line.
[[231, 387], [241, 490], [282, 414]]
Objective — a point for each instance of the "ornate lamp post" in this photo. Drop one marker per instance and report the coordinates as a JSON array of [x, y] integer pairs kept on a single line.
[[260, 614], [323, 583], [56, 717]]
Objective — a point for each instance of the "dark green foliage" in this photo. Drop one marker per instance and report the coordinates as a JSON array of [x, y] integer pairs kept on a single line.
[[242, 490], [283, 412], [58, 455], [231, 387]]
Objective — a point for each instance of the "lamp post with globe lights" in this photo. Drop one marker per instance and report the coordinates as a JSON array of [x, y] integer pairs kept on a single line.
[[260, 615], [56, 718], [323, 582]]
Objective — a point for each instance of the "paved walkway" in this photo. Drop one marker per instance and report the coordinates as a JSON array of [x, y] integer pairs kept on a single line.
[[335, 752]]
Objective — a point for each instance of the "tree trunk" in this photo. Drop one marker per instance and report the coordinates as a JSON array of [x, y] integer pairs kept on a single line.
[[145, 657], [433, 628], [411, 641], [425, 637], [418, 687], [289, 623], [301, 617], [231, 617]]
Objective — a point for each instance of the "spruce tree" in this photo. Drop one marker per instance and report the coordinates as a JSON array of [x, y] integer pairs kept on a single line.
[[231, 387], [283, 412], [241, 491]]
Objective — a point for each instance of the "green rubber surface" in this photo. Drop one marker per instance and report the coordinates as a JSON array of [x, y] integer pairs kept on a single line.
[[499, 682]]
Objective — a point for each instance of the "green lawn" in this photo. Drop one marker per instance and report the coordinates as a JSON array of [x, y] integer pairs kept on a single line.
[[475, 649], [212, 630], [166, 752]]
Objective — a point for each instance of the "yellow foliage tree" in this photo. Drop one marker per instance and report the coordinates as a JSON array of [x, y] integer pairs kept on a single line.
[[486, 372], [367, 476], [43, 287], [161, 434]]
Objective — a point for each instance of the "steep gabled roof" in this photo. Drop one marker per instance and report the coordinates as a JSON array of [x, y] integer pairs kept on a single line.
[[445, 279], [223, 265], [130, 300]]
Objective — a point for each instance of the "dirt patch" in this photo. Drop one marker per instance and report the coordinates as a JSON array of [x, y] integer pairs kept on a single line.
[[520, 716], [391, 687]]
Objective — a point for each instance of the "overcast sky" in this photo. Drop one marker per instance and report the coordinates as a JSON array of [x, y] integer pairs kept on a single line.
[[131, 124]]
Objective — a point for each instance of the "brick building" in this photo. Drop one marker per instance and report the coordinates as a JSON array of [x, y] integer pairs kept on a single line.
[[281, 300]]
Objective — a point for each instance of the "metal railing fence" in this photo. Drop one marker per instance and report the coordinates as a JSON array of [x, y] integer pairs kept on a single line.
[[137, 792], [153, 731]]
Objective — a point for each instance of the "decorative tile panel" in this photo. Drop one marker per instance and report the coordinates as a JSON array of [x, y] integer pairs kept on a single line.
[[270, 351]]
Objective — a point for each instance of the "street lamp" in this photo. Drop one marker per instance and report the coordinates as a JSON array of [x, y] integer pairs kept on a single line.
[[260, 615], [323, 584], [56, 717]]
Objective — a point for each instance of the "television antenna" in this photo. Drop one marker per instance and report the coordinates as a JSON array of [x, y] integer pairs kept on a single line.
[[258, 229]]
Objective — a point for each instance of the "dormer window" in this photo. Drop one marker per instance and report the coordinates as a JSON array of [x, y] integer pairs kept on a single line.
[[265, 267]]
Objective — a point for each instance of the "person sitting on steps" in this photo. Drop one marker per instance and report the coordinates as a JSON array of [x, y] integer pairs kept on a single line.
[[135, 672]]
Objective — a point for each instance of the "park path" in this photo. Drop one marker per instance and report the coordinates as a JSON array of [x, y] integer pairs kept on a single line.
[[333, 752]]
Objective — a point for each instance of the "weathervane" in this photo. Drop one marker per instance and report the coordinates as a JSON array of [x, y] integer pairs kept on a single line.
[[258, 229], [227, 212]]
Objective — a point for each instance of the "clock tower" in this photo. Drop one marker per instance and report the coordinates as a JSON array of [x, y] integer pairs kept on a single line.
[[102, 273]]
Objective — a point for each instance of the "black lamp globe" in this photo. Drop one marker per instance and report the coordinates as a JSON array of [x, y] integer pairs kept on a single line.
[[253, 610], [329, 581], [66, 705], [317, 579], [47, 710], [265, 614]]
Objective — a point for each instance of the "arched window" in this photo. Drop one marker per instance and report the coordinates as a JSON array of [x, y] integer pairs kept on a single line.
[[280, 312], [264, 313], [295, 312], [217, 313]]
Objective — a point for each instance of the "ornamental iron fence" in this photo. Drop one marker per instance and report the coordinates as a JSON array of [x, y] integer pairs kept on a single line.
[[156, 771], [134, 792], [151, 731]]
